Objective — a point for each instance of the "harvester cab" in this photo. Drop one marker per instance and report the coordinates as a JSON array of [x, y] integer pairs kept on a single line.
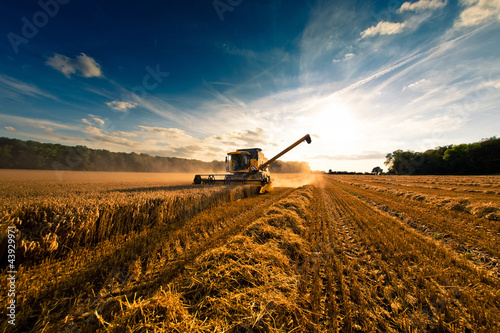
[[247, 166], [245, 160]]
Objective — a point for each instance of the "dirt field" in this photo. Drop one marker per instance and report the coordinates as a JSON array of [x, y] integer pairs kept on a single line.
[[110, 252]]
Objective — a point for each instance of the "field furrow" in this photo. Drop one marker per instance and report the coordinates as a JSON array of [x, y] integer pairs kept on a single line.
[[344, 254], [395, 277], [468, 233]]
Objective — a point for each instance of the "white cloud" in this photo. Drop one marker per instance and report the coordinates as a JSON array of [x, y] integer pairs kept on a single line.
[[173, 137], [477, 12], [494, 84], [392, 28], [10, 128], [422, 5], [94, 120], [178, 143], [383, 28], [239, 139], [347, 57], [97, 134], [121, 106], [98, 120], [171, 132], [82, 65], [125, 134], [48, 130], [414, 84]]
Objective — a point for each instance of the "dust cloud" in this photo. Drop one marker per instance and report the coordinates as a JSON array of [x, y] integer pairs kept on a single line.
[[293, 179]]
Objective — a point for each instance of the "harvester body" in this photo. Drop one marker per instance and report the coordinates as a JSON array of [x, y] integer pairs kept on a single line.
[[247, 166]]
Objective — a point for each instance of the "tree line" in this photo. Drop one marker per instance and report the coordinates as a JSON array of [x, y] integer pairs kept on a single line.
[[478, 158], [19, 154]]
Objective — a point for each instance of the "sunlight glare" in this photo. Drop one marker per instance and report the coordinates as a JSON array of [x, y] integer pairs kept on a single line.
[[334, 122]]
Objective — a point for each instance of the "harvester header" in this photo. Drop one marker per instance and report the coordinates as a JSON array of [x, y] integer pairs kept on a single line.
[[247, 166]]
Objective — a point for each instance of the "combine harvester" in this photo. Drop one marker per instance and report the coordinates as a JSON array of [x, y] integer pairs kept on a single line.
[[247, 166]]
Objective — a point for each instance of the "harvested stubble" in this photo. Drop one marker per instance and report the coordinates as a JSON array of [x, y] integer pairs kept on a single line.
[[250, 284], [243, 283], [486, 210], [480, 201], [390, 278], [323, 259], [162, 312], [444, 219]]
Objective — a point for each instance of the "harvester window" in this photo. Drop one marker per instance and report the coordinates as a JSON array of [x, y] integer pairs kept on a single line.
[[240, 162]]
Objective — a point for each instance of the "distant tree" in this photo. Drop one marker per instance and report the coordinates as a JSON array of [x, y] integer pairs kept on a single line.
[[458, 159], [377, 170], [434, 162], [18, 154], [465, 159], [6, 156], [403, 162]]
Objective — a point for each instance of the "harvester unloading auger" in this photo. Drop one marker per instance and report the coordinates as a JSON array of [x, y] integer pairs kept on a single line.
[[247, 166]]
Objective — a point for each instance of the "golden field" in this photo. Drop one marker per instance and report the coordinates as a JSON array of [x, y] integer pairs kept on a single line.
[[126, 252]]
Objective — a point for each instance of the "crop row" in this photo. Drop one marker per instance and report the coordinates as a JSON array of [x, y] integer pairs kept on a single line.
[[491, 182], [51, 228], [479, 192], [469, 235], [488, 206], [373, 273], [334, 257], [94, 283]]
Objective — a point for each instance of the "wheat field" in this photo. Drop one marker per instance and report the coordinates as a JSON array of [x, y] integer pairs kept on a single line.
[[123, 252]]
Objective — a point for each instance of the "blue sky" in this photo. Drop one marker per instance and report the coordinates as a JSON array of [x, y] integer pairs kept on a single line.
[[197, 79]]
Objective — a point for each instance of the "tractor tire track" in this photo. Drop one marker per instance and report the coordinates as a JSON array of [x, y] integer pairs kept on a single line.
[[458, 240], [386, 276]]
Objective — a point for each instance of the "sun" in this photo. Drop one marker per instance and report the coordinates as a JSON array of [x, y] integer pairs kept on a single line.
[[333, 121]]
